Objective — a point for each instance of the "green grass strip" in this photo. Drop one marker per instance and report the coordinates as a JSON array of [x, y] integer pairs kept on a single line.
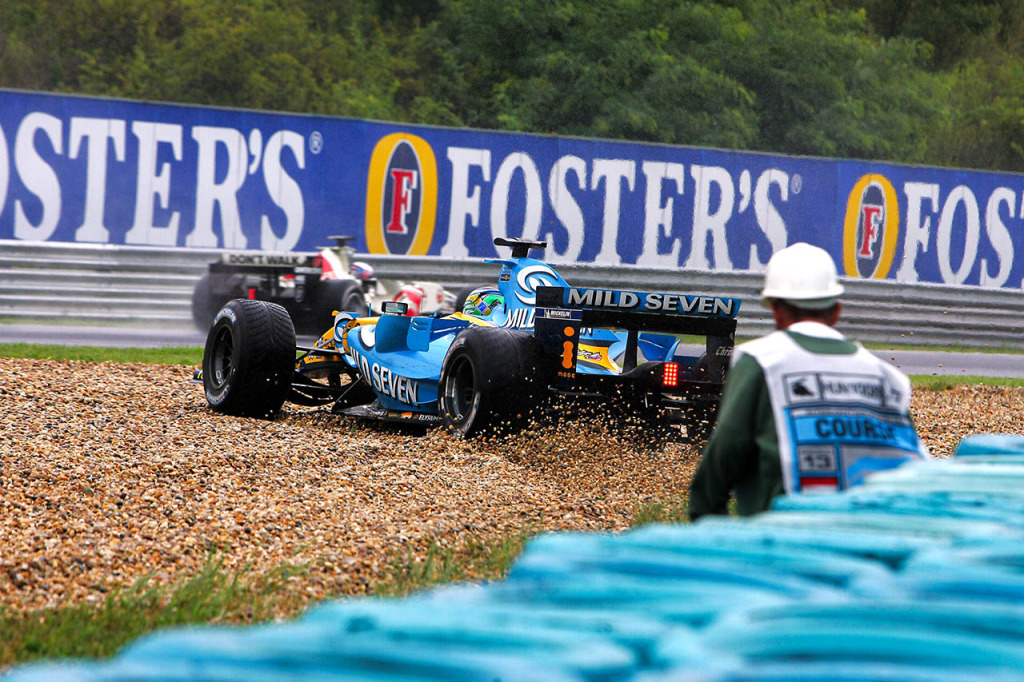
[[178, 355], [928, 382], [673, 511], [474, 561], [98, 631], [87, 631]]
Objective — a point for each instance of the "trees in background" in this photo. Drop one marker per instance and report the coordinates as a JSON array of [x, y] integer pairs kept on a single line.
[[922, 81]]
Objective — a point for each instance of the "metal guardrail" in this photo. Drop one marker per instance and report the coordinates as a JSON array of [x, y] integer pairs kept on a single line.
[[98, 284], [127, 285]]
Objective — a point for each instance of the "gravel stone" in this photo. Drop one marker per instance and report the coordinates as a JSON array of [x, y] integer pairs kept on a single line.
[[112, 472]]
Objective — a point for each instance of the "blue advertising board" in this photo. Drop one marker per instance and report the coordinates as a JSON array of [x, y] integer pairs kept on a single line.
[[93, 170]]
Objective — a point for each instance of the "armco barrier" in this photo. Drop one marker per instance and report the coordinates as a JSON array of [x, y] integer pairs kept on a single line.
[[152, 286]]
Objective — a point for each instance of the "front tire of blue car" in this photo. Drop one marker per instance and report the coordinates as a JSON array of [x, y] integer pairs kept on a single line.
[[249, 358], [489, 381]]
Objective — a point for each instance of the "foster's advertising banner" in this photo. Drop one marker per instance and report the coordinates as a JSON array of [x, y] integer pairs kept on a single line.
[[104, 171]]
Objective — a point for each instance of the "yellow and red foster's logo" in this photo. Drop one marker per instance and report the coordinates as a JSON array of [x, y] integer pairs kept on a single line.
[[401, 196], [871, 228]]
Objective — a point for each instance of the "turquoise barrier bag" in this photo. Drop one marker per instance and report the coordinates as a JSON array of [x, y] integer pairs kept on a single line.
[[991, 444]]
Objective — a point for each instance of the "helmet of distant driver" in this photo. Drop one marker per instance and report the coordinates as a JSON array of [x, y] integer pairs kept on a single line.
[[802, 275], [361, 270]]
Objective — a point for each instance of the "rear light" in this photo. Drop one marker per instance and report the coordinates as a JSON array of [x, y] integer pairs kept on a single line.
[[252, 294], [670, 374]]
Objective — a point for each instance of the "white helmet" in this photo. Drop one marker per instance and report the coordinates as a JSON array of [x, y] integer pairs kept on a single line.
[[803, 275]]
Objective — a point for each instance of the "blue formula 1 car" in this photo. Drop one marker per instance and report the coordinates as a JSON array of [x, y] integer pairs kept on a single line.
[[512, 348]]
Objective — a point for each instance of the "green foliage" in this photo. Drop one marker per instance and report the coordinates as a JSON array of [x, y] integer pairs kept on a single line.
[[649, 70], [985, 125], [825, 87], [288, 55], [922, 81], [954, 27]]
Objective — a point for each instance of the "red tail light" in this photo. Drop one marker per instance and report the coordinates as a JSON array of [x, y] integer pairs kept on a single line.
[[670, 374]]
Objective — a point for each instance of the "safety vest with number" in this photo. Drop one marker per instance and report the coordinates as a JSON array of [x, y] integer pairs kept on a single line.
[[838, 417]]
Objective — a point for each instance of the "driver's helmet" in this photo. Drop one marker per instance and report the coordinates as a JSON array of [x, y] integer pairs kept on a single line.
[[482, 302], [361, 271]]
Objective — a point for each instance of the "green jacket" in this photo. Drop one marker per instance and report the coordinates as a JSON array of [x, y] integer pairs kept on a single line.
[[742, 454]]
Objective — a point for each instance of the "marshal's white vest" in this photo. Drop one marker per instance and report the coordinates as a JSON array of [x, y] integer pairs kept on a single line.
[[838, 417]]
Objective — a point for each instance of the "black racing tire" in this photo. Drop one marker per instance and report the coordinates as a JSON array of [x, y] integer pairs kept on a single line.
[[489, 381], [341, 295], [700, 416], [249, 359], [702, 370], [204, 305]]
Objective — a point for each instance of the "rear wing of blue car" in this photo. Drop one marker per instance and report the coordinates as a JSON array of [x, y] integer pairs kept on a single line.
[[563, 311]]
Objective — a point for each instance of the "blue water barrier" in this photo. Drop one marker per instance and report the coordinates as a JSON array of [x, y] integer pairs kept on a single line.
[[982, 583], [1003, 477], [731, 549], [918, 575], [833, 671], [371, 640], [977, 506], [663, 554], [636, 630], [681, 603], [940, 636], [1004, 557], [937, 529], [888, 549], [991, 444]]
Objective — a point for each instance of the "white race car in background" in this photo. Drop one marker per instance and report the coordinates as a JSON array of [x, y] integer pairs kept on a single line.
[[311, 287]]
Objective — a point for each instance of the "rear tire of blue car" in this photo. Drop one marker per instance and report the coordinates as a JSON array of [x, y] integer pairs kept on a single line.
[[489, 381], [700, 416], [249, 359]]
